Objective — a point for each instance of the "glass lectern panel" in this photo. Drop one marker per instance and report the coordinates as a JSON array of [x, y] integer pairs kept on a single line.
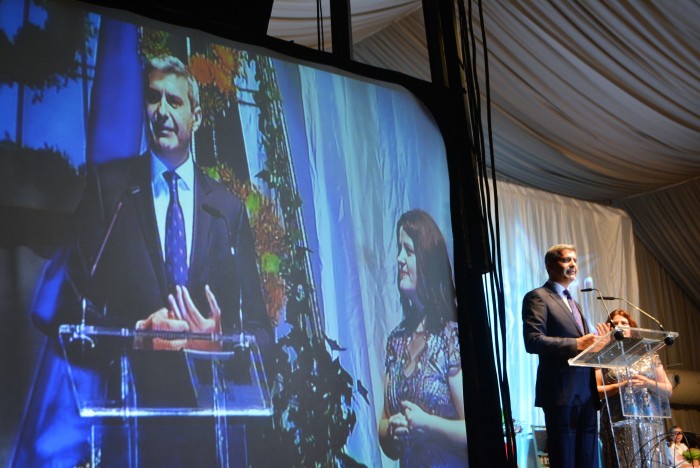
[[640, 395], [133, 373], [622, 347], [630, 353]]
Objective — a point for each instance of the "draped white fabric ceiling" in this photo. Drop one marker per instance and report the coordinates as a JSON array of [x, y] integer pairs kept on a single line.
[[296, 20], [594, 100]]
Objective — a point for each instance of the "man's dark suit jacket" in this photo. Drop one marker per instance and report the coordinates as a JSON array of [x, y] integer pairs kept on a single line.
[[130, 280], [130, 283], [550, 331]]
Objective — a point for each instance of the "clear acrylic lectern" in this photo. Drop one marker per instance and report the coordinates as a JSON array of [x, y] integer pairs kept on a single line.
[[628, 356], [120, 376]]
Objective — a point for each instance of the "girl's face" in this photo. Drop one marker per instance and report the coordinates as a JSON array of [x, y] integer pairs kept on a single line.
[[408, 274], [678, 435], [620, 321]]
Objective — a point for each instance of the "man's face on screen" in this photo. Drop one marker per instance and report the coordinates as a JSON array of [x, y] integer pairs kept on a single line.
[[408, 274], [171, 118], [564, 270]]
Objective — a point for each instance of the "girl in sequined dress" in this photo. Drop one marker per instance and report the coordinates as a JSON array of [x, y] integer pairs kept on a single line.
[[630, 433], [423, 419]]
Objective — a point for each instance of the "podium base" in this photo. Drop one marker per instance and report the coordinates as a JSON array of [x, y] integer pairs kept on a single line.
[[172, 442]]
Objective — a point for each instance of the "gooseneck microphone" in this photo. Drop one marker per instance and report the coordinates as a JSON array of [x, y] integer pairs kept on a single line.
[[216, 213], [128, 192], [669, 340], [618, 334], [600, 297]]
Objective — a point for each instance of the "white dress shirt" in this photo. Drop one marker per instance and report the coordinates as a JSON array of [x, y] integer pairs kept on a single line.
[[560, 290]]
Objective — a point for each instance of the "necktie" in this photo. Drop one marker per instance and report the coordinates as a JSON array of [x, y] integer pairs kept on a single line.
[[175, 243], [574, 310]]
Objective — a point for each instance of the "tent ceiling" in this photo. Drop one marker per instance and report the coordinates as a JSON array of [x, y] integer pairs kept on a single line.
[[593, 100], [599, 101], [296, 20]]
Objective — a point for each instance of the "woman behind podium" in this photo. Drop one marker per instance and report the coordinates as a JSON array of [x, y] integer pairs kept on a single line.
[[423, 419], [646, 382]]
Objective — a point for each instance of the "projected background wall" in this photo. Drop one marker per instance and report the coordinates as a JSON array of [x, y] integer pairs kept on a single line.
[[325, 163]]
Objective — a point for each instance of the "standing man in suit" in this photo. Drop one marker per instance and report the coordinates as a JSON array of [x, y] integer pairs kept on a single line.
[[191, 276], [140, 270], [554, 329], [180, 255]]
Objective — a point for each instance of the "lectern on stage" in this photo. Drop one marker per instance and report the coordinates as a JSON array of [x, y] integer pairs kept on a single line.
[[637, 412], [124, 380]]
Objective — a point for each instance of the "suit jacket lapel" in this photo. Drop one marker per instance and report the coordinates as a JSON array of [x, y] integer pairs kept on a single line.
[[147, 219], [202, 225], [564, 309]]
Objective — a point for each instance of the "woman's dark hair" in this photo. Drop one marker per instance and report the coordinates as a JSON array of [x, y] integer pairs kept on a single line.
[[434, 286]]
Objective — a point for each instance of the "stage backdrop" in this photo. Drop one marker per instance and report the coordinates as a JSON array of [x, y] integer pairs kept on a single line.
[[325, 160], [531, 222]]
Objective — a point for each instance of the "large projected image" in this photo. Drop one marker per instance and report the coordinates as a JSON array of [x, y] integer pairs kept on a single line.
[[258, 269]]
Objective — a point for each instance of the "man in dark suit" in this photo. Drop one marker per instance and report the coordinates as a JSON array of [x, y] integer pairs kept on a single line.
[[554, 329], [195, 275], [132, 285]]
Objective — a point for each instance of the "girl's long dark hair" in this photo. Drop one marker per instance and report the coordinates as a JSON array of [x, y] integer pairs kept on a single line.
[[435, 287]]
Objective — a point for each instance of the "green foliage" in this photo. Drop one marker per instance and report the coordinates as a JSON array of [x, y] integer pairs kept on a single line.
[[691, 455], [253, 203], [212, 171], [313, 402], [313, 394], [154, 43], [270, 263]]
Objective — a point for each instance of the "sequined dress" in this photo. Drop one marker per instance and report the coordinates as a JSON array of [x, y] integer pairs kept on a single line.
[[428, 387], [631, 434]]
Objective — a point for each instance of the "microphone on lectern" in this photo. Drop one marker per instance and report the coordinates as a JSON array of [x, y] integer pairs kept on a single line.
[[600, 297], [128, 192], [216, 213], [618, 333]]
